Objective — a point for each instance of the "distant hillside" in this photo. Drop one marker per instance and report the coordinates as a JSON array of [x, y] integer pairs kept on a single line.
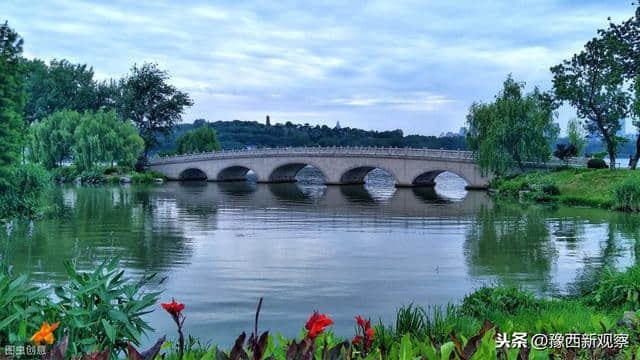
[[251, 134]]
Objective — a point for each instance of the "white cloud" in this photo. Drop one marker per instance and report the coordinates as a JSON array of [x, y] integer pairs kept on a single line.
[[380, 64]]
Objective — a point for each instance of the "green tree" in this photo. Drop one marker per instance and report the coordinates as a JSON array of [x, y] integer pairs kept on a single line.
[[11, 101], [512, 130], [593, 82], [202, 139], [151, 103], [626, 37], [102, 137], [62, 85], [52, 139], [576, 135]]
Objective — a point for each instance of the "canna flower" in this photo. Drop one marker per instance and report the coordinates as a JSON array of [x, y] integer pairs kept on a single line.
[[356, 340], [364, 334], [45, 333], [369, 333], [173, 307], [316, 324]]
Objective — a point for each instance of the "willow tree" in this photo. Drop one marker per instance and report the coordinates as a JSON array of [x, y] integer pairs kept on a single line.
[[52, 138], [103, 138], [513, 130]]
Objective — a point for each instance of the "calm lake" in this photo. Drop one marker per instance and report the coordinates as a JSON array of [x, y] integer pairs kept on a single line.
[[343, 250]]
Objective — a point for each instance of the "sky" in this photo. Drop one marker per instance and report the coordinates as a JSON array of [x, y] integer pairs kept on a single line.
[[412, 65]]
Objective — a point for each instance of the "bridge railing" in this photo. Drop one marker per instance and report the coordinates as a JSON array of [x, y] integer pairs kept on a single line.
[[337, 150], [346, 151]]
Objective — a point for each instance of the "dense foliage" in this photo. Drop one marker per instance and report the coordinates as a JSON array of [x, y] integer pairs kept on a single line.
[[199, 140], [565, 152], [62, 85], [626, 194], [52, 139], [11, 102], [89, 139], [100, 309], [593, 82], [151, 102], [512, 130]]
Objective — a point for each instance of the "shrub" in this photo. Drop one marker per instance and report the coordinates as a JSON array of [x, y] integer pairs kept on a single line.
[[564, 152], [156, 174], [65, 173], [23, 308], [596, 163], [411, 320], [626, 195], [102, 309], [113, 179], [618, 289], [91, 177], [512, 188], [111, 170], [504, 299], [23, 193], [141, 178]]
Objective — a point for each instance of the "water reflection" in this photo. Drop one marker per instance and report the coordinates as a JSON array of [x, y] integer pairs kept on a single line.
[[343, 249], [511, 244]]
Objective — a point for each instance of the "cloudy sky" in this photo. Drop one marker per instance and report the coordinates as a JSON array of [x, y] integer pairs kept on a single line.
[[414, 65]]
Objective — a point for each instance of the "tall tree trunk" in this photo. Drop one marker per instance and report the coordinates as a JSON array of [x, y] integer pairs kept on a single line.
[[612, 159], [634, 160]]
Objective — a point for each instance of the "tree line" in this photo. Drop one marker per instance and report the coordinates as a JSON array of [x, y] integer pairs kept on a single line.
[[602, 82], [251, 134]]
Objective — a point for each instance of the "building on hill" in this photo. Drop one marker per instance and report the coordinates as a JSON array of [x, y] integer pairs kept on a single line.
[[337, 127]]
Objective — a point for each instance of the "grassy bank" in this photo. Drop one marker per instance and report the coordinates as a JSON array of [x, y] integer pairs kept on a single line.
[[104, 174], [604, 188]]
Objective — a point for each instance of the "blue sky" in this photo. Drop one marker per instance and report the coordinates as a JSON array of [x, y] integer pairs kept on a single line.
[[413, 65]]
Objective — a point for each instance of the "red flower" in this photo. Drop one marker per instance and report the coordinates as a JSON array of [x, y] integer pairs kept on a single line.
[[369, 333], [364, 334], [316, 324], [173, 307]]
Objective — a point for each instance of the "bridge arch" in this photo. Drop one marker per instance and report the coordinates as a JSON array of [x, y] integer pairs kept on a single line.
[[286, 173], [193, 173], [357, 175], [233, 173], [428, 178]]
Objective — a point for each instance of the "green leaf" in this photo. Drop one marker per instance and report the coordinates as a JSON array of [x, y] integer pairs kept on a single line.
[[111, 332], [406, 348], [445, 350], [4, 323], [118, 315]]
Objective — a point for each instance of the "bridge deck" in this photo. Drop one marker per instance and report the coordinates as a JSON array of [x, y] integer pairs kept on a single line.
[[320, 151]]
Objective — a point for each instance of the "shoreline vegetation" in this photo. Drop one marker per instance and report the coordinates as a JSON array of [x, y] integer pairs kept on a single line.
[[100, 314], [617, 189]]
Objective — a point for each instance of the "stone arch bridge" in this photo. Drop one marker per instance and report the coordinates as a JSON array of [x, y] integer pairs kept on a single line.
[[339, 165]]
